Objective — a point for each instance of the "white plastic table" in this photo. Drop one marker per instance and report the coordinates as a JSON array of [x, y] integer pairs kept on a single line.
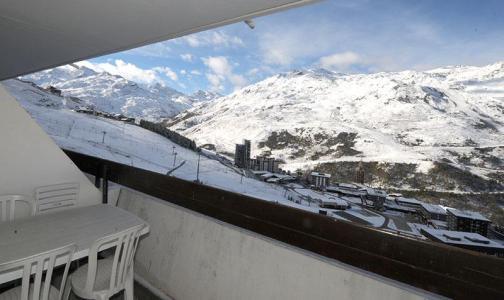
[[41, 233]]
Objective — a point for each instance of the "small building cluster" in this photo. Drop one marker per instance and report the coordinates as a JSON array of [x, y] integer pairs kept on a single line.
[[117, 117], [273, 177], [356, 202], [242, 159], [262, 163], [465, 229], [320, 180]]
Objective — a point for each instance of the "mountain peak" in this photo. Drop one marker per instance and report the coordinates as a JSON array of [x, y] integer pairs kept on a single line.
[[315, 114], [203, 96]]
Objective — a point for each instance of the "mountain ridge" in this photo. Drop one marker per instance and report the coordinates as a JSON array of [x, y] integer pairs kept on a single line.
[[110, 93], [311, 117]]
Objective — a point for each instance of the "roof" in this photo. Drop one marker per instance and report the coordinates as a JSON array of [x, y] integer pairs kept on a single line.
[[321, 174], [260, 172], [374, 192], [408, 200], [399, 207], [439, 224], [62, 31], [273, 180], [276, 175], [267, 175], [334, 200], [460, 238], [348, 185], [467, 214], [433, 208], [343, 190]]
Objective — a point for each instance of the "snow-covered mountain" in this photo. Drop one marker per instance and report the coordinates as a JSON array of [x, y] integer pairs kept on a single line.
[[115, 94], [130, 144], [204, 96], [452, 115]]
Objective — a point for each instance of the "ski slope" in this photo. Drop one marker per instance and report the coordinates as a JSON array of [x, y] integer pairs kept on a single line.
[[130, 144]]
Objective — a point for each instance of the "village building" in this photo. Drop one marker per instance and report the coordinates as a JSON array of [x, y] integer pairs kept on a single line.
[[242, 154], [433, 212], [374, 198], [334, 203], [53, 90], [390, 204], [263, 163], [467, 221], [409, 202], [320, 180], [467, 240], [346, 189]]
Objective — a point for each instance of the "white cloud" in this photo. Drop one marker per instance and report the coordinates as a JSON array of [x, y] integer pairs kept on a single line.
[[187, 57], [183, 72], [218, 64], [167, 72], [161, 49], [132, 72], [339, 61], [213, 38], [215, 82], [220, 71], [196, 72], [253, 71], [192, 40], [285, 45]]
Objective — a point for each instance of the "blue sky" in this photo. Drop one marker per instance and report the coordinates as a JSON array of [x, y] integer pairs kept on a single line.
[[358, 36]]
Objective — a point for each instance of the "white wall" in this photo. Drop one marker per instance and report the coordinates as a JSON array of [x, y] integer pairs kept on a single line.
[[190, 256], [29, 158]]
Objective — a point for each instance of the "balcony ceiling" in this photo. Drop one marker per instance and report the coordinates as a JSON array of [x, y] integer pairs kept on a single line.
[[35, 34]]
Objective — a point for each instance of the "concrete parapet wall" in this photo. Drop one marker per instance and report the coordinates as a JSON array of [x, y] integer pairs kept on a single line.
[[190, 256]]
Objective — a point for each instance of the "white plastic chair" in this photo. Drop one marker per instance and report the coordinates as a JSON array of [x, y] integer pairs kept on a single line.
[[55, 197], [101, 279], [41, 288], [8, 206]]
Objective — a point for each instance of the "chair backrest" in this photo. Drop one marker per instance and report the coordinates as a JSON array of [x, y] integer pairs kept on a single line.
[[36, 265], [54, 197], [125, 243], [8, 206]]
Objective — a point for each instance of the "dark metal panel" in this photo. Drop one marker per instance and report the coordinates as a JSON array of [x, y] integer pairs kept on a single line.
[[441, 269]]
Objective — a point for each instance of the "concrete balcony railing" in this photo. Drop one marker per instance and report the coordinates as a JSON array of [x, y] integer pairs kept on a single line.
[[206, 243]]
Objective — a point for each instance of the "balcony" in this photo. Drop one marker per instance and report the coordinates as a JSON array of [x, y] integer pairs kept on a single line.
[[209, 243]]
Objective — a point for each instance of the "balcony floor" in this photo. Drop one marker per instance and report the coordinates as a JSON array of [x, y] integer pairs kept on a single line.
[[141, 293]]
